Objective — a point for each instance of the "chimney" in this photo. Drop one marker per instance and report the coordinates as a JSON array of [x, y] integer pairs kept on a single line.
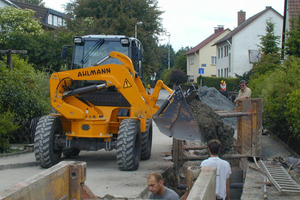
[[219, 28], [241, 17]]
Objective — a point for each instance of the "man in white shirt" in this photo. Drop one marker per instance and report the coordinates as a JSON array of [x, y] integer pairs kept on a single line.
[[223, 170]]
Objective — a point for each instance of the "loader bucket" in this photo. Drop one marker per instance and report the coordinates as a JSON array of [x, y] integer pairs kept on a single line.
[[175, 119]]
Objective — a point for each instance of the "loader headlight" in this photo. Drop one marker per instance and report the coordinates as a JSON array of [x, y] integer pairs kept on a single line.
[[124, 41], [78, 40]]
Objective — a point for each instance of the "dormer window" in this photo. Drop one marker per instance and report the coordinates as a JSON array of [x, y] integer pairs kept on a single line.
[[50, 19]]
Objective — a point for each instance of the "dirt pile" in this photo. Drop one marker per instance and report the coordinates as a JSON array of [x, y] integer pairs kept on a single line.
[[214, 99], [210, 124]]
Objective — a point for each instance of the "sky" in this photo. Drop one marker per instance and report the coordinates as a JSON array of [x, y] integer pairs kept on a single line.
[[189, 22]]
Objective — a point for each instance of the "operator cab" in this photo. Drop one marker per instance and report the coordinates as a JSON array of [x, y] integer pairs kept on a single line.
[[89, 50]]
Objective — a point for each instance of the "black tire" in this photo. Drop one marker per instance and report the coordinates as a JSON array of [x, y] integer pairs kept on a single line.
[[147, 141], [129, 145], [71, 152], [44, 148]]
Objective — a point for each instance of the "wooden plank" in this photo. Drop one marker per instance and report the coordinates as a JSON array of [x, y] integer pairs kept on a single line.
[[13, 51]]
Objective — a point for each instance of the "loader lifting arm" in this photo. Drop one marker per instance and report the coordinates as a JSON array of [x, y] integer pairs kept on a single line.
[[172, 119]]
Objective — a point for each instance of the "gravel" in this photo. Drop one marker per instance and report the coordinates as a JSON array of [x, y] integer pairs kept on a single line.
[[216, 101]]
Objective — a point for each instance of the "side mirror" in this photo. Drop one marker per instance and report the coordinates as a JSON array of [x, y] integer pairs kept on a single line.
[[139, 54], [64, 52]]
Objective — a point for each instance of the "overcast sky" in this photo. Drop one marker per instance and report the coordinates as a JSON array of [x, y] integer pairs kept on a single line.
[[191, 21]]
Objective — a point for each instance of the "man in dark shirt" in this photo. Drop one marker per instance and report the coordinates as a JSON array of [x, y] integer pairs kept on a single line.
[[158, 190]]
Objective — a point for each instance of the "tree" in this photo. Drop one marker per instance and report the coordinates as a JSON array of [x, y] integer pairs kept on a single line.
[[270, 59], [118, 17], [269, 42], [44, 51], [162, 58], [16, 24], [180, 61], [292, 46]]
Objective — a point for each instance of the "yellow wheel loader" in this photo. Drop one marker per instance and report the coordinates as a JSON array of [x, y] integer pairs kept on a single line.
[[101, 103]]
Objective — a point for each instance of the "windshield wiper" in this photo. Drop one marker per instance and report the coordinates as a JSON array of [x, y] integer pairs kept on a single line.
[[93, 49]]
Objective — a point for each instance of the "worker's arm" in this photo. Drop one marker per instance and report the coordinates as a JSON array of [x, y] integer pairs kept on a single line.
[[227, 189], [240, 98]]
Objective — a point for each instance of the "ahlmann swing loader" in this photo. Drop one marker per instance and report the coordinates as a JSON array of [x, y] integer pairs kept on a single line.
[[101, 103]]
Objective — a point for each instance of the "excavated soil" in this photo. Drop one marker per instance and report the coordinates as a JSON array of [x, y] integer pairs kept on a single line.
[[210, 124]]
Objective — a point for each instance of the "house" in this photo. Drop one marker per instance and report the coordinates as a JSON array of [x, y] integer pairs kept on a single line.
[[49, 18], [202, 58], [238, 50], [4, 3]]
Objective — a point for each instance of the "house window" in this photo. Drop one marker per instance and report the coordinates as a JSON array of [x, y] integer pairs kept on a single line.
[[60, 22], [214, 60], [191, 60], [50, 19], [229, 62], [226, 50], [54, 20], [219, 52], [218, 73], [221, 72]]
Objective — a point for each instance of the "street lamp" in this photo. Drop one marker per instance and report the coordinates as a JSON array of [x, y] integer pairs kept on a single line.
[[135, 28], [168, 50]]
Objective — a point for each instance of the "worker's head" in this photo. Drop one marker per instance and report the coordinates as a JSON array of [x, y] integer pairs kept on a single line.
[[222, 81], [148, 86], [243, 84], [155, 183], [214, 147]]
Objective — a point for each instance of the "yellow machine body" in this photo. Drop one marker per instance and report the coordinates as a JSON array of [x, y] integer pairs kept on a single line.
[[80, 119]]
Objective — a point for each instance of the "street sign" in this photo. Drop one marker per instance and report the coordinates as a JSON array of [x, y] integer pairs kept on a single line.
[[201, 70]]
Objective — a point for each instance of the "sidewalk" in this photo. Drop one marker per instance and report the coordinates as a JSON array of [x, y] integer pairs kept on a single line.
[[254, 180]]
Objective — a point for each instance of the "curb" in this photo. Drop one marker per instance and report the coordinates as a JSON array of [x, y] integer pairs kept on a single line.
[[16, 153], [17, 165]]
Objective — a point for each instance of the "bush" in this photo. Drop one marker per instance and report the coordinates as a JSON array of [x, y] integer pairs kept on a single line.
[[232, 83], [23, 91], [6, 128], [279, 90], [166, 77], [292, 113], [177, 77]]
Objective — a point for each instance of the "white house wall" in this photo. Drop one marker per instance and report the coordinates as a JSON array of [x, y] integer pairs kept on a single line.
[[203, 57], [249, 39], [223, 59]]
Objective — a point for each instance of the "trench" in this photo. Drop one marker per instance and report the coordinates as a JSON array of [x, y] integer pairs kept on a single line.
[[172, 181]]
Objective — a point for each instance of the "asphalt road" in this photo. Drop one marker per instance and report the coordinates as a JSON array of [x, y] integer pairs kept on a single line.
[[103, 175]]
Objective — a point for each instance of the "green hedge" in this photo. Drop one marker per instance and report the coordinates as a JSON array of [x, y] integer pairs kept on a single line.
[[7, 126], [24, 92], [232, 83]]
